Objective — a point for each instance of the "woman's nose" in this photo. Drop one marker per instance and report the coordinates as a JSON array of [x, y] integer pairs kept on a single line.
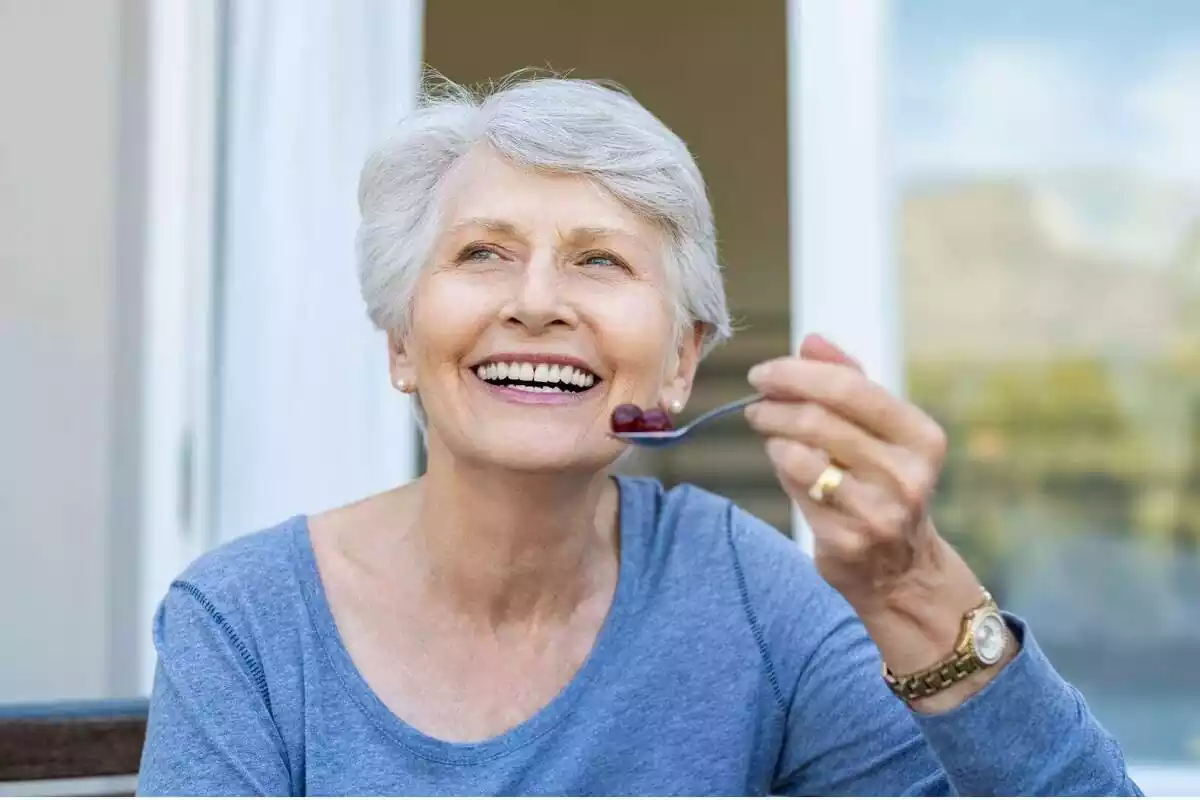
[[539, 302]]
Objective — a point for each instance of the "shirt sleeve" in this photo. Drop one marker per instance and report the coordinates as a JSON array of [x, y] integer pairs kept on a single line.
[[1027, 733], [210, 730]]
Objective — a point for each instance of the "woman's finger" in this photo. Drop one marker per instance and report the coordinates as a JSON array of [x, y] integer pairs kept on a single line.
[[817, 426], [851, 395], [818, 348], [873, 513], [799, 466]]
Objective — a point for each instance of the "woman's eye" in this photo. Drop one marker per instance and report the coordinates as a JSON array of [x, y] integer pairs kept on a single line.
[[478, 254], [601, 260]]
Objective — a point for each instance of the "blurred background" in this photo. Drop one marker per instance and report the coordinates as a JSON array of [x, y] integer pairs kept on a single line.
[[996, 205]]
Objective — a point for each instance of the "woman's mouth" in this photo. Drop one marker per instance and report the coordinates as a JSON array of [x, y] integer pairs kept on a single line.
[[536, 377]]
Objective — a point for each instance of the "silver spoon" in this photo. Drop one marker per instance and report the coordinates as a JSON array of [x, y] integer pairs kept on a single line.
[[673, 437]]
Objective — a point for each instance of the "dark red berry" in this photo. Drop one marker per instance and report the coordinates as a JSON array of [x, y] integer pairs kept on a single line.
[[655, 420], [627, 418]]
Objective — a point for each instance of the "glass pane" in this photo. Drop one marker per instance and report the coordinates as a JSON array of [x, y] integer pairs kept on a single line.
[[1049, 237]]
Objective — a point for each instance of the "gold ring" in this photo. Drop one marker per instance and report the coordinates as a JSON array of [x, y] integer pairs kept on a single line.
[[828, 481]]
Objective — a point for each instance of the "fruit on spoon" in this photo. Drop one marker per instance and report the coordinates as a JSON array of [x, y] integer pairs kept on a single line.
[[628, 418]]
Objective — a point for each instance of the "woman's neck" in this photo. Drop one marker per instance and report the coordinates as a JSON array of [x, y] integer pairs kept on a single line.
[[508, 547]]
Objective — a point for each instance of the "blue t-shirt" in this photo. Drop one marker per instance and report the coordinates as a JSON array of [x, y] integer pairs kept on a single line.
[[726, 666]]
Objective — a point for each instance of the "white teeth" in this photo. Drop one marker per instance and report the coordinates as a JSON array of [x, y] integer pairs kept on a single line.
[[542, 389], [552, 375]]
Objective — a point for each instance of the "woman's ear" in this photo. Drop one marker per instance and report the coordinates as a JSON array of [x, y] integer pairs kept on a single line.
[[400, 366], [678, 387]]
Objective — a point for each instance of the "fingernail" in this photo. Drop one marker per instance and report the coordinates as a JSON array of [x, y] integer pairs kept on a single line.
[[757, 374]]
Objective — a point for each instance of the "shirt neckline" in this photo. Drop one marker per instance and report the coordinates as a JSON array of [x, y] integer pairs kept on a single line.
[[632, 542]]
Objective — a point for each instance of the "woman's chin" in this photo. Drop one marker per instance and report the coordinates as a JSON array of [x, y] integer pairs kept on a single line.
[[546, 451]]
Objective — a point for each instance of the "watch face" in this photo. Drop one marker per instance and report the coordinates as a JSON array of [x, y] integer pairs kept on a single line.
[[989, 634]]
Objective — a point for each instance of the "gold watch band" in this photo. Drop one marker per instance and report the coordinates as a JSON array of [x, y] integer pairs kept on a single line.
[[931, 681], [960, 664]]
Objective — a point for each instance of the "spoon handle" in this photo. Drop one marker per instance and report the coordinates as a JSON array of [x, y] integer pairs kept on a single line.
[[728, 408]]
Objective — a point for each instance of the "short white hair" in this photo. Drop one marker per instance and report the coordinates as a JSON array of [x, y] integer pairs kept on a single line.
[[555, 125]]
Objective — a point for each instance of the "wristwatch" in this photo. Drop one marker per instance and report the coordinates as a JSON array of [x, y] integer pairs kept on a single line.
[[982, 641]]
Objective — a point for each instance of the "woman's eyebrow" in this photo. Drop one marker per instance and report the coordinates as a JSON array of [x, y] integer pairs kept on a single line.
[[591, 233], [491, 225]]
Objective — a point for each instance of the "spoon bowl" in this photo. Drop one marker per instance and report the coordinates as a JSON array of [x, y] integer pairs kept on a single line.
[[674, 437]]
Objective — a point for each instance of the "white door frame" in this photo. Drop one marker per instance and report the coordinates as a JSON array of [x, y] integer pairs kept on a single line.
[[177, 309], [843, 284]]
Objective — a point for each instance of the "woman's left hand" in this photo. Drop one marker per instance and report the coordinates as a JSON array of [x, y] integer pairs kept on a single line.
[[870, 531], [874, 540]]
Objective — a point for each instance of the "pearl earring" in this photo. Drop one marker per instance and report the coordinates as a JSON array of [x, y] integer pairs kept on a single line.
[[675, 406], [401, 385]]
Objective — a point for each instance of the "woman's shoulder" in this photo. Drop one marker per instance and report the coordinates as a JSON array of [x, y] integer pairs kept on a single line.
[[698, 513], [784, 594], [231, 626], [251, 569], [712, 526]]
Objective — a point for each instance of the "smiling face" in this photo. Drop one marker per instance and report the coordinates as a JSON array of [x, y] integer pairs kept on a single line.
[[545, 305]]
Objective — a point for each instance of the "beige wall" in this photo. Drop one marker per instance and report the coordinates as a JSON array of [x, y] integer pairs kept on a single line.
[[715, 73], [60, 78]]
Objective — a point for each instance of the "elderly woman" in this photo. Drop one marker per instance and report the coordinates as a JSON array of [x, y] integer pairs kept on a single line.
[[521, 621]]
